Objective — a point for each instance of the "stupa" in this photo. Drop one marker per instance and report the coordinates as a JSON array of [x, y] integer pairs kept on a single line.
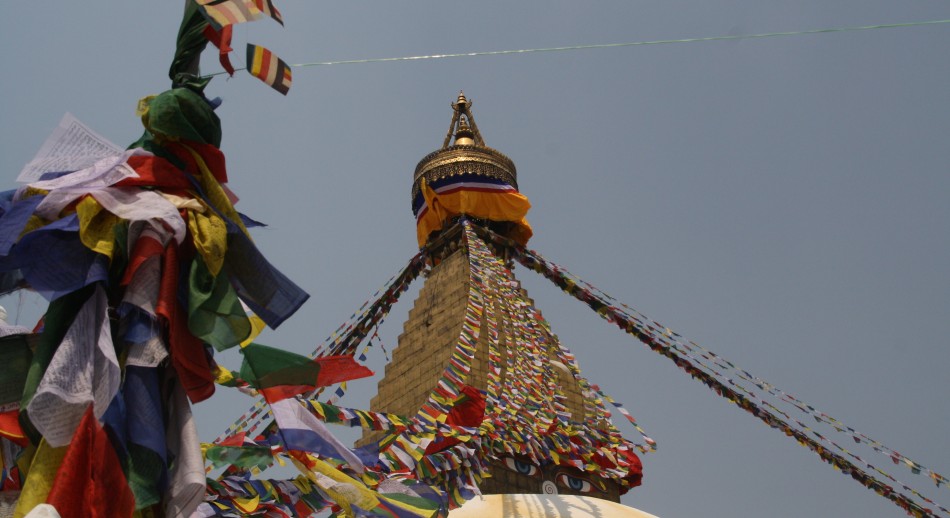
[[475, 352]]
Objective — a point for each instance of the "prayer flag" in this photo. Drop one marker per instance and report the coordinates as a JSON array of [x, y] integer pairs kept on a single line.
[[281, 374], [186, 486], [84, 370], [222, 40], [39, 479], [301, 431], [90, 477], [243, 456], [187, 351], [267, 7], [266, 66], [221, 13]]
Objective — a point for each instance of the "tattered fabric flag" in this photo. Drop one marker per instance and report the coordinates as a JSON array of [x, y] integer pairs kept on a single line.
[[90, 478], [267, 7], [266, 66], [222, 40], [187, 351], [221, 13], [281, 374]]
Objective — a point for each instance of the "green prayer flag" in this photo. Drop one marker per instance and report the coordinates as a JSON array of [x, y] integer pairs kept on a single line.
[[59, 317], [215, 314], [248, 456], [280, 374], [265, 367], [15, 357]]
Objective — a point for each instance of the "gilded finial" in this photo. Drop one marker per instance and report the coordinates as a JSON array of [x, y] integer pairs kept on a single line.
[[462, 103], [464, 136], [467, 154]]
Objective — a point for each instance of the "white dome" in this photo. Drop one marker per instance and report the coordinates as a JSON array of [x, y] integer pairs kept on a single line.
[[544, 506]]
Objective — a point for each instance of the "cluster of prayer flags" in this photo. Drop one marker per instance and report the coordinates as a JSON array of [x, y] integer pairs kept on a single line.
[[148, 268], [448, 441]]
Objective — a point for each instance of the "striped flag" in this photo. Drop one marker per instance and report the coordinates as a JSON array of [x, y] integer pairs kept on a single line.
[[280, 374], [267, 7], [221, 13], [300, 430], [266, 66]]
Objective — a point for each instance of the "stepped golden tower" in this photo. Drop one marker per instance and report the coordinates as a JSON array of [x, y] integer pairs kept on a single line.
[[467, 185]]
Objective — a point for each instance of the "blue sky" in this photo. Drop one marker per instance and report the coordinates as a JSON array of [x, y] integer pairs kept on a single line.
[[780, 201]]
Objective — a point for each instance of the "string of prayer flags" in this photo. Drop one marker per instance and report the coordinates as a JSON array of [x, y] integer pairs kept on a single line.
[[236, 496], [266, 66], [528, 411], [353, 417], [701, 357], [347, 337], [667, 343], [239, 451]]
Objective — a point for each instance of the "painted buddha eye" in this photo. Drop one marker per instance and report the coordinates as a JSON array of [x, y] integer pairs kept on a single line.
[[523, 468], [574, 484]]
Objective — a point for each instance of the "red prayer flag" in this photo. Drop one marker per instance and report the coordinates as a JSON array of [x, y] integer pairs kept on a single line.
[[187, 351], [10, 427], [90, 481], [468, 410], [222, 40], [337, 369]]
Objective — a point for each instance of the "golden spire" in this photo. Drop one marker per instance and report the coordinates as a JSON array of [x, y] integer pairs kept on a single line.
[[462, 120], [467, 154]]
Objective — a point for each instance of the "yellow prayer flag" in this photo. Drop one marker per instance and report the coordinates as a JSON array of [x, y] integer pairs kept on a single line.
[[96, 226], [40, 478], [248, 505], [210, 236]]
